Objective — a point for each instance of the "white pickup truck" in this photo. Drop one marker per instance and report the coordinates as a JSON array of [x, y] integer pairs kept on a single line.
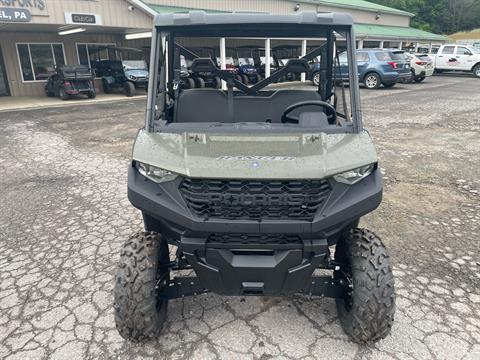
[[455, 57]]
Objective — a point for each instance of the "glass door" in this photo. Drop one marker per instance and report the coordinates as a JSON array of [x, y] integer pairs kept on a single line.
[[4, 91]]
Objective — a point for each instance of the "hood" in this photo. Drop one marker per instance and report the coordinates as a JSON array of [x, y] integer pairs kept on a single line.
[[248, 67], [137, 72], [255, 156]]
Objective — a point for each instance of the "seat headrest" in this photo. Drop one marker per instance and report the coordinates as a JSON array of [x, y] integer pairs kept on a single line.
[[203, 65], [297, 65]]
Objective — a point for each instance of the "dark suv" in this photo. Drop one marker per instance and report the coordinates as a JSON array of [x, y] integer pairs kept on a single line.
[[376, 67]]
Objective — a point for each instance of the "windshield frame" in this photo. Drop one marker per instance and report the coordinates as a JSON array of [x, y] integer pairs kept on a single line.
[[163, 46], [127, 67]]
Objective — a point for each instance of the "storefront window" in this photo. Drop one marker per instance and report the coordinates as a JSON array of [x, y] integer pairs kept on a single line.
[[38, 61], [25, 64]]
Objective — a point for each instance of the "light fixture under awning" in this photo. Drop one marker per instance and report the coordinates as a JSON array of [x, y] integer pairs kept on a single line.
[[142, 35], [71, 31]]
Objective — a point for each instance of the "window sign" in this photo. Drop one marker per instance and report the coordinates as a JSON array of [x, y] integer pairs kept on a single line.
[[38, 60]]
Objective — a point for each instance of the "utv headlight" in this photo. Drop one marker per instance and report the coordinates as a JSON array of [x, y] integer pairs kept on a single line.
[[353, 176], [132, 77], [154, 173]]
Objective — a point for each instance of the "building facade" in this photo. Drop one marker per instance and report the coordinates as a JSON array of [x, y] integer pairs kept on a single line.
[[37, 35]]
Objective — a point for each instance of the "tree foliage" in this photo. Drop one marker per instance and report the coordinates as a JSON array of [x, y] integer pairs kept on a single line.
[[440, 16]]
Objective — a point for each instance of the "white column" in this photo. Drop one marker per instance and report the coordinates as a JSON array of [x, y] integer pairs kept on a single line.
[[223, 60], [400, 44], [267, 58], [360, 44], [429, 48], [381, 44], [165, 47], [304, 52], [416, 47]]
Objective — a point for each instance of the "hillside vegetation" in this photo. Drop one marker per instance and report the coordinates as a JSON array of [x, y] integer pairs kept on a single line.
[[440, 16]]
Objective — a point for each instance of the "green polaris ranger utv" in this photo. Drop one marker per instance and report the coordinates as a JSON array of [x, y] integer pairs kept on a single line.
[[252, 189]]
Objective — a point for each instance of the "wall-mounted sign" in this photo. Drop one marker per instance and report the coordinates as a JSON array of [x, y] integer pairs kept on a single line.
[[15, 15], [34, 7], [83, 19]]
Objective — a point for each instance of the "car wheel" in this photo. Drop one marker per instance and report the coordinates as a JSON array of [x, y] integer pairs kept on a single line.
[[372, 81], [244, 79], [258, 78], [389, 85], [139, 311], [476, 70], [419, 79], [129, 89], [316, 78], [367, 311], [92, 94], [411, 78], [190, 83], [63, 95], [239, 78], [217, 83], [199, 83], [106, 88]]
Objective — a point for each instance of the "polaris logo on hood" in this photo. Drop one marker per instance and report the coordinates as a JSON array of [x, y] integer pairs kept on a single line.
[[256, 158]]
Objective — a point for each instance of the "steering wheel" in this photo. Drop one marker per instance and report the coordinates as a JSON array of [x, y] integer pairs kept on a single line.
[[332, 116]]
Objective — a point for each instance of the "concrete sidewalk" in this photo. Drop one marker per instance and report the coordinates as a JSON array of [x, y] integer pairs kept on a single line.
[[9, 103]]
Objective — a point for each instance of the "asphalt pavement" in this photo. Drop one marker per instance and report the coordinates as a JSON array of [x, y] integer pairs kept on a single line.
[[64, 215]]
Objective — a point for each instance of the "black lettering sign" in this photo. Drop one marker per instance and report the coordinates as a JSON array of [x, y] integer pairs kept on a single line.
[[30, 4], [83, 19], [15, 15]]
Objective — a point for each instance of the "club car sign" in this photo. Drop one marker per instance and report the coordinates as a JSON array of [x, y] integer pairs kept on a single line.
[[83, 19], [21, 10]]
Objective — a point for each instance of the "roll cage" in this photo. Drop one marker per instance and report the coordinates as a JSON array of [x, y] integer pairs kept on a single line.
[[164, 84]]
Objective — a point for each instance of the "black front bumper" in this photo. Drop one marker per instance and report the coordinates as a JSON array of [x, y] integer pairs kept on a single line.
[[236, 257], [345, 204]]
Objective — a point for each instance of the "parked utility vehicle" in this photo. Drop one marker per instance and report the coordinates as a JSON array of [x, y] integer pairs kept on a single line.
[[200, 79], [454, 57], [253, 187], [246, 66], [126, 75], [68, 81]]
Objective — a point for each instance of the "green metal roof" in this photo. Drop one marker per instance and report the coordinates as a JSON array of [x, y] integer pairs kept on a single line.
[[361, 30], [176, 9], [395, 32], [348, 4], [359, 5]]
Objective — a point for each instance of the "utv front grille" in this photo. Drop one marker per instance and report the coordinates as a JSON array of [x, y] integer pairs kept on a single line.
[[253, 239], [255, 200]]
